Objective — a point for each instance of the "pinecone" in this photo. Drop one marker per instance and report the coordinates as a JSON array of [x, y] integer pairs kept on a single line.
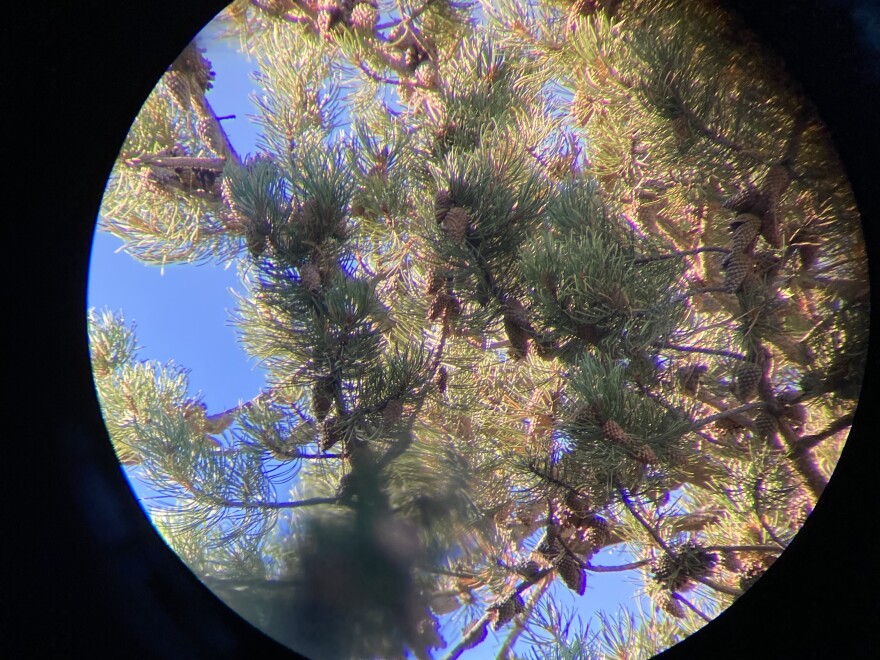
[[668, 573], [441, 379], [310, 277], [392, 413], [749, 200], [613, 432], [364, 17], [255, 238], [330, 434], [517, 335], [667, 602], [455, 224], [442, 203], [766, 425], [438, 305], [736, 265], [688, 561], [645, 455], [507, 609], [434, 283], [746, 379], [689, 377], [322, 398], [207, 131], [178, 87], [777, 180], [595, 531], [572, 574], [770, 228], [528, 568], [414, 56], [328, 19], [549, 547], [746, 228]]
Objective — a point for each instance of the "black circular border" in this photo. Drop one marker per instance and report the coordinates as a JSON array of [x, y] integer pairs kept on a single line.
[[89, 575]]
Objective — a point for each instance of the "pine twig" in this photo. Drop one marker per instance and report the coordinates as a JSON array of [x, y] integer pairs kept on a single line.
[[699, 349], [616, 569], [680, 253], [810, 441], [700, 423], [692, 607]]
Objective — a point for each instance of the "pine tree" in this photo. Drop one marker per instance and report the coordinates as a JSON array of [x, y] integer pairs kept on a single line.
[[530, 280]]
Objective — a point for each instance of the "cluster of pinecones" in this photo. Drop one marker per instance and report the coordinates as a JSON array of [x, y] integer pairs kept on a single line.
[[676, 571], [756, 216]]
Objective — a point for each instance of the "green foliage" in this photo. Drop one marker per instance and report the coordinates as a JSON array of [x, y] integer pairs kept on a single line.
[[482, 249]]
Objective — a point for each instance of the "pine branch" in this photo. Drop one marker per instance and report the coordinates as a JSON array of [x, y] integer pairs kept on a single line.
[[732, 412], [314, 501], [616, 569], [730, 591], [810, 441], [628, 503], [699, 349], [680, 253], [691, 607]]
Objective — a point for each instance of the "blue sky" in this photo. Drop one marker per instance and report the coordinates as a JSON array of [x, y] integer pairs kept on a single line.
[[182, 312]]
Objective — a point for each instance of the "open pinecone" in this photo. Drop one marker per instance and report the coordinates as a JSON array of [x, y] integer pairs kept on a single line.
[[687, 561]]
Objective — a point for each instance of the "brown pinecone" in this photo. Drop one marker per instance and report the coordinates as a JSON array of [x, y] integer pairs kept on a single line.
[[310, 277], [766, 425], [613, 432], [330, 433], [572, 574], [749, 200], [595, 531], [770, 228], [178, 87], [507, 609], [435, 282], [667, 602], [455, 224], [776, 181], [746, 228], [322, 398], [392, 413], [746, 379], [528, 568], [736, 265], [645, 455], [517, 335], [549, 547], [441, 379], [442, 204], [689, 377], [364, 17], [207, 133], [438, 305]]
